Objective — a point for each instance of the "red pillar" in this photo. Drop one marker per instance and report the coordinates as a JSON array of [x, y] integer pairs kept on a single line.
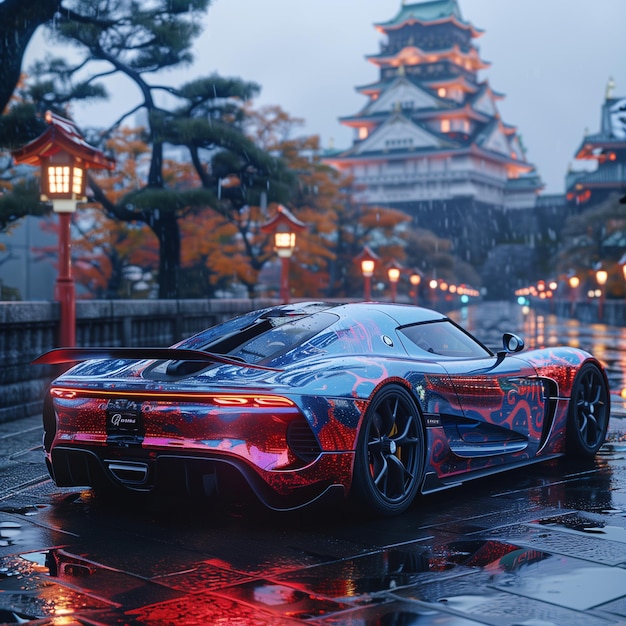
[[284, 279], [64, 290], [368, 288]]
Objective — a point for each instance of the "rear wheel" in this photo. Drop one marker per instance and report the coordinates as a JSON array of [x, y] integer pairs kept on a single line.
[[389, 459], [588, 417]]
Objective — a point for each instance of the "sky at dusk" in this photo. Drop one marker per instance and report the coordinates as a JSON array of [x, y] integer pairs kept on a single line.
[[551, 59]]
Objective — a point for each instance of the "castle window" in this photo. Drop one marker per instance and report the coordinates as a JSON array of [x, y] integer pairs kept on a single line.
[[363, 132], [395, 144], [445, 126], [442, 92]]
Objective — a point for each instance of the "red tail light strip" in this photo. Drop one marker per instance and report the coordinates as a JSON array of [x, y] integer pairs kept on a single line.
[[230, 400]]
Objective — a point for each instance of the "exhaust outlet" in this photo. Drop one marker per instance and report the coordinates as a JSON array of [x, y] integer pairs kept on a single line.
[[129, 473]]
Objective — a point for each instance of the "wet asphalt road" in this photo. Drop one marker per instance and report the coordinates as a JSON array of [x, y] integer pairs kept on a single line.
[[539, 546]]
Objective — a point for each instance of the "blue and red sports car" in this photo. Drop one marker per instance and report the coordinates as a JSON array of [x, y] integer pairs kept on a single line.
[[301, 402]]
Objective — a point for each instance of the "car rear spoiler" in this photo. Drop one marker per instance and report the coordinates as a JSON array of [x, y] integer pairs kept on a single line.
[[70, 355]]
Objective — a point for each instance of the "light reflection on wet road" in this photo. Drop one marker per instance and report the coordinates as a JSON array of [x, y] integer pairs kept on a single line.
[[544, 545]]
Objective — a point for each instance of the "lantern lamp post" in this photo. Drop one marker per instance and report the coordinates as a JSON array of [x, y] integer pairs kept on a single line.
[[393, 273], [415, 280], [284, 226], [574, 283], [367, 260], [64, 158], [601, 277]]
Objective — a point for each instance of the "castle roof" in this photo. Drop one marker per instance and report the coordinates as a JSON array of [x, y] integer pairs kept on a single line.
[[412, 54], [611, 175], [612, 135], [434, 11]]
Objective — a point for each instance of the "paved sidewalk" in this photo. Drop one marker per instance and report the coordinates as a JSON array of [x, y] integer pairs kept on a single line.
[[540, 546]]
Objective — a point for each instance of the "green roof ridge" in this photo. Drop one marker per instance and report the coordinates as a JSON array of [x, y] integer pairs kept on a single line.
[[428, 11]]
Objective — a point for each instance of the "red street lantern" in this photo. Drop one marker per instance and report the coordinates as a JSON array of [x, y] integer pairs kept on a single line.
[[284, 226], [393, 273], [415, 279], [367, 260], [64, 157]]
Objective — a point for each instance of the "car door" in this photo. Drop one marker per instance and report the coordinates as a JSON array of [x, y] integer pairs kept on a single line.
[[504, 405], [502, 399]]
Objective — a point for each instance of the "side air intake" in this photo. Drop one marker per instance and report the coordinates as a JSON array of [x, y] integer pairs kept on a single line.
[[302, 441]]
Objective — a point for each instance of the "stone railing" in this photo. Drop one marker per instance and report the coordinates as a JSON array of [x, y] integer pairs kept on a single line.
[[28, 329]]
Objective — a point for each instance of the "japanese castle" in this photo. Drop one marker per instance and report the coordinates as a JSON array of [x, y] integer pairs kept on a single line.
[[429, 139]]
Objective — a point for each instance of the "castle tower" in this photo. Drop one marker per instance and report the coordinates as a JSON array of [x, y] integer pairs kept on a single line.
[[430, 139], [607, 151]]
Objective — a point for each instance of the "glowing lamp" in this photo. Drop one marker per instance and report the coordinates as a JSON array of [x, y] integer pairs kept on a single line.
[[367, 267], [415, 279], [283, 226], [394, 274], [284, 243], [367, 260], [602, 276], [574, 281], [62, 178]]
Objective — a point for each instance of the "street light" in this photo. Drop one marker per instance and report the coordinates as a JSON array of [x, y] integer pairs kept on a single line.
[[368, 260], [393, 273], [573, 282], [284, 226], [415, 280], [64, 158], [601, 277]]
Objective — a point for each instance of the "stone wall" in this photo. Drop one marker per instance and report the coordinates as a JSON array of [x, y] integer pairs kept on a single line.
[[28, 329]]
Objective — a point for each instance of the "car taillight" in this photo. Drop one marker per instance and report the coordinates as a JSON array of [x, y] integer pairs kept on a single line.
[[220, 399]]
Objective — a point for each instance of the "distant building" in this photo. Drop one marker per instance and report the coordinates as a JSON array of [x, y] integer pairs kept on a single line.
[[606, 151], [430, 140]]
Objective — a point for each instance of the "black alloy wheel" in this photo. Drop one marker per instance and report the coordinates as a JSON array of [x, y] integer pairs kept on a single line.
[[389, 461], [588, 417]]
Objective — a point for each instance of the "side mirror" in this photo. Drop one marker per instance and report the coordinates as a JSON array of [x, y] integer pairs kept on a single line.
[[512, 343]]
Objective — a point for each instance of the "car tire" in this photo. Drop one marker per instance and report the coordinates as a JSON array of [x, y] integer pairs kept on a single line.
[[389, 461], [588, 415]]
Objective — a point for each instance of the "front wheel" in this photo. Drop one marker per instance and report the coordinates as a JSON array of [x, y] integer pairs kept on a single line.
[[389, 460], [588, 417]]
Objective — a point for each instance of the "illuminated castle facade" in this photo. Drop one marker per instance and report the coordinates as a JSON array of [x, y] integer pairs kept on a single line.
[[430, 140]]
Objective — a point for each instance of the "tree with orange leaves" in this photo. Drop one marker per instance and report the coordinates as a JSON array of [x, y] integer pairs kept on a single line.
[[337, 227]]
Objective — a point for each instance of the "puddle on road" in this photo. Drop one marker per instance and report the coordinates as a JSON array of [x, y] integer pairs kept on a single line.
[[397, 568], [568, 583], [29, 591], [56, 583], [580, 524], [27, 511], [9, 531], [283, 600]]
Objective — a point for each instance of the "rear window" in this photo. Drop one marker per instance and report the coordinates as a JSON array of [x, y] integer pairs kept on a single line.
[[444, 338], [277, 336]]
